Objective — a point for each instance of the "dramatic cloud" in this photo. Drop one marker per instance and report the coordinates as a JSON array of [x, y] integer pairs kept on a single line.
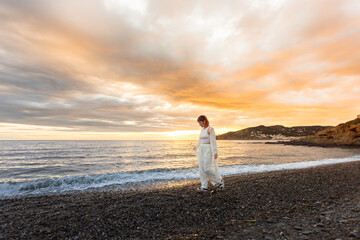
[[118, 66]]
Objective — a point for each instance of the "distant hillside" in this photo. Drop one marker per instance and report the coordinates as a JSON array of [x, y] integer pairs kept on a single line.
[[272, 132], [344, 134]]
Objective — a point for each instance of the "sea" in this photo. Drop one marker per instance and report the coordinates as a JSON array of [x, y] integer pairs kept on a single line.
[[29, 168]]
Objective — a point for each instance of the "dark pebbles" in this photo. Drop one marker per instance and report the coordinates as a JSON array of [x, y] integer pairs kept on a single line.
[[314, 203]]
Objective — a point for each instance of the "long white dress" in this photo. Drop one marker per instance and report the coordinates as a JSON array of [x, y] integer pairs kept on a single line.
[[205, 157]]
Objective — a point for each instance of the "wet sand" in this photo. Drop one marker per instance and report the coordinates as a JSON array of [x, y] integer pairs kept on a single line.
[[313, 203]]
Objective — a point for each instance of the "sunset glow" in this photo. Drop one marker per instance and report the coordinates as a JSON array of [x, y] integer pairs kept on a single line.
[[117, 69]]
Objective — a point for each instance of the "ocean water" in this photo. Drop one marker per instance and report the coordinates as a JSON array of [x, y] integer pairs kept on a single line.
[[45, 167]]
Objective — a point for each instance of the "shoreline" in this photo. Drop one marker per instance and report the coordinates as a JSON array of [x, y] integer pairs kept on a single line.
[[319, 202], [161, 183], [313, 144]]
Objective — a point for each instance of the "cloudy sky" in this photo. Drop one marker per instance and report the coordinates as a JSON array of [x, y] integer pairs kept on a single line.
[[137, 69]]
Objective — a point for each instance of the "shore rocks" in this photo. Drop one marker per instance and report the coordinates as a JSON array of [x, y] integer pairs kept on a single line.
[[354, 235]]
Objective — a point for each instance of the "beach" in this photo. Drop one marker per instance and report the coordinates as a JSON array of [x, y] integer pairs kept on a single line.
[[320, 202]]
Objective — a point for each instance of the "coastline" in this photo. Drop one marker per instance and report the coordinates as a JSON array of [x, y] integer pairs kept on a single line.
[[313, 144], [312, 203]]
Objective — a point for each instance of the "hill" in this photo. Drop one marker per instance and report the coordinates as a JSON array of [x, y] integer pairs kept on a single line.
[[344, 134], [272, 132]]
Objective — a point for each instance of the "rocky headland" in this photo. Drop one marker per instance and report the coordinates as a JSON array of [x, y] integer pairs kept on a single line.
[[343, 135]]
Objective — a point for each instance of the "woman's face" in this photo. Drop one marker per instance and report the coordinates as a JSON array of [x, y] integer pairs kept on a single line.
[[202, 123]]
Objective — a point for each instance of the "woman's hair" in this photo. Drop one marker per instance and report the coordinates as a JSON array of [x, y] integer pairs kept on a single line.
[[203, 118]]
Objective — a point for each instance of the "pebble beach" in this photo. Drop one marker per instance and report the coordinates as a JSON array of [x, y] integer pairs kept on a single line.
[[320, 202]]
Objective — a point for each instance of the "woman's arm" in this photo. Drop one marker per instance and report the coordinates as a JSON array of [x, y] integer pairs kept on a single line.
[[197, 145], [213, 142]]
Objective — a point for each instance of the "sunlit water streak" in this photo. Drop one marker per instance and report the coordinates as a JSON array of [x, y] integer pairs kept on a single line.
[[36, 167]]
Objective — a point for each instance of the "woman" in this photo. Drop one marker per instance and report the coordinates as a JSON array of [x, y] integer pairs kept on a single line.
[[207, 154]]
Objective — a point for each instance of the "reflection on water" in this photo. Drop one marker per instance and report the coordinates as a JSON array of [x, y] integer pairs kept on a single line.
[[31, 160]]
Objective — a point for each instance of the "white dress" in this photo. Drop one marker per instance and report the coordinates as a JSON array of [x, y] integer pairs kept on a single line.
[[205, 156]]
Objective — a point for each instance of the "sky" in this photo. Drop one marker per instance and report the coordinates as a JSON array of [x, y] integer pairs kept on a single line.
[[137, 69]]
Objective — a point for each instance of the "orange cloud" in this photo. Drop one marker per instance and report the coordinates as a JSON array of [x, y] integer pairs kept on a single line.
[[96, 67]]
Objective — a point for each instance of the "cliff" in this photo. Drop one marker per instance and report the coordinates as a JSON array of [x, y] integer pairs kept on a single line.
[[344, 134], [272, 132]]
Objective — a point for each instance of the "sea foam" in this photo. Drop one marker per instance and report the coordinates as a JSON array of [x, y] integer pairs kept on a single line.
[[84, 182]]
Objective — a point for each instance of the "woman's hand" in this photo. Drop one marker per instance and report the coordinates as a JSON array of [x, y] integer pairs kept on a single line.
[[215, 155]]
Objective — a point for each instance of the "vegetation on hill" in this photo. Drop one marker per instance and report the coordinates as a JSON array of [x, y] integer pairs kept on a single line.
[[272, 132]]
